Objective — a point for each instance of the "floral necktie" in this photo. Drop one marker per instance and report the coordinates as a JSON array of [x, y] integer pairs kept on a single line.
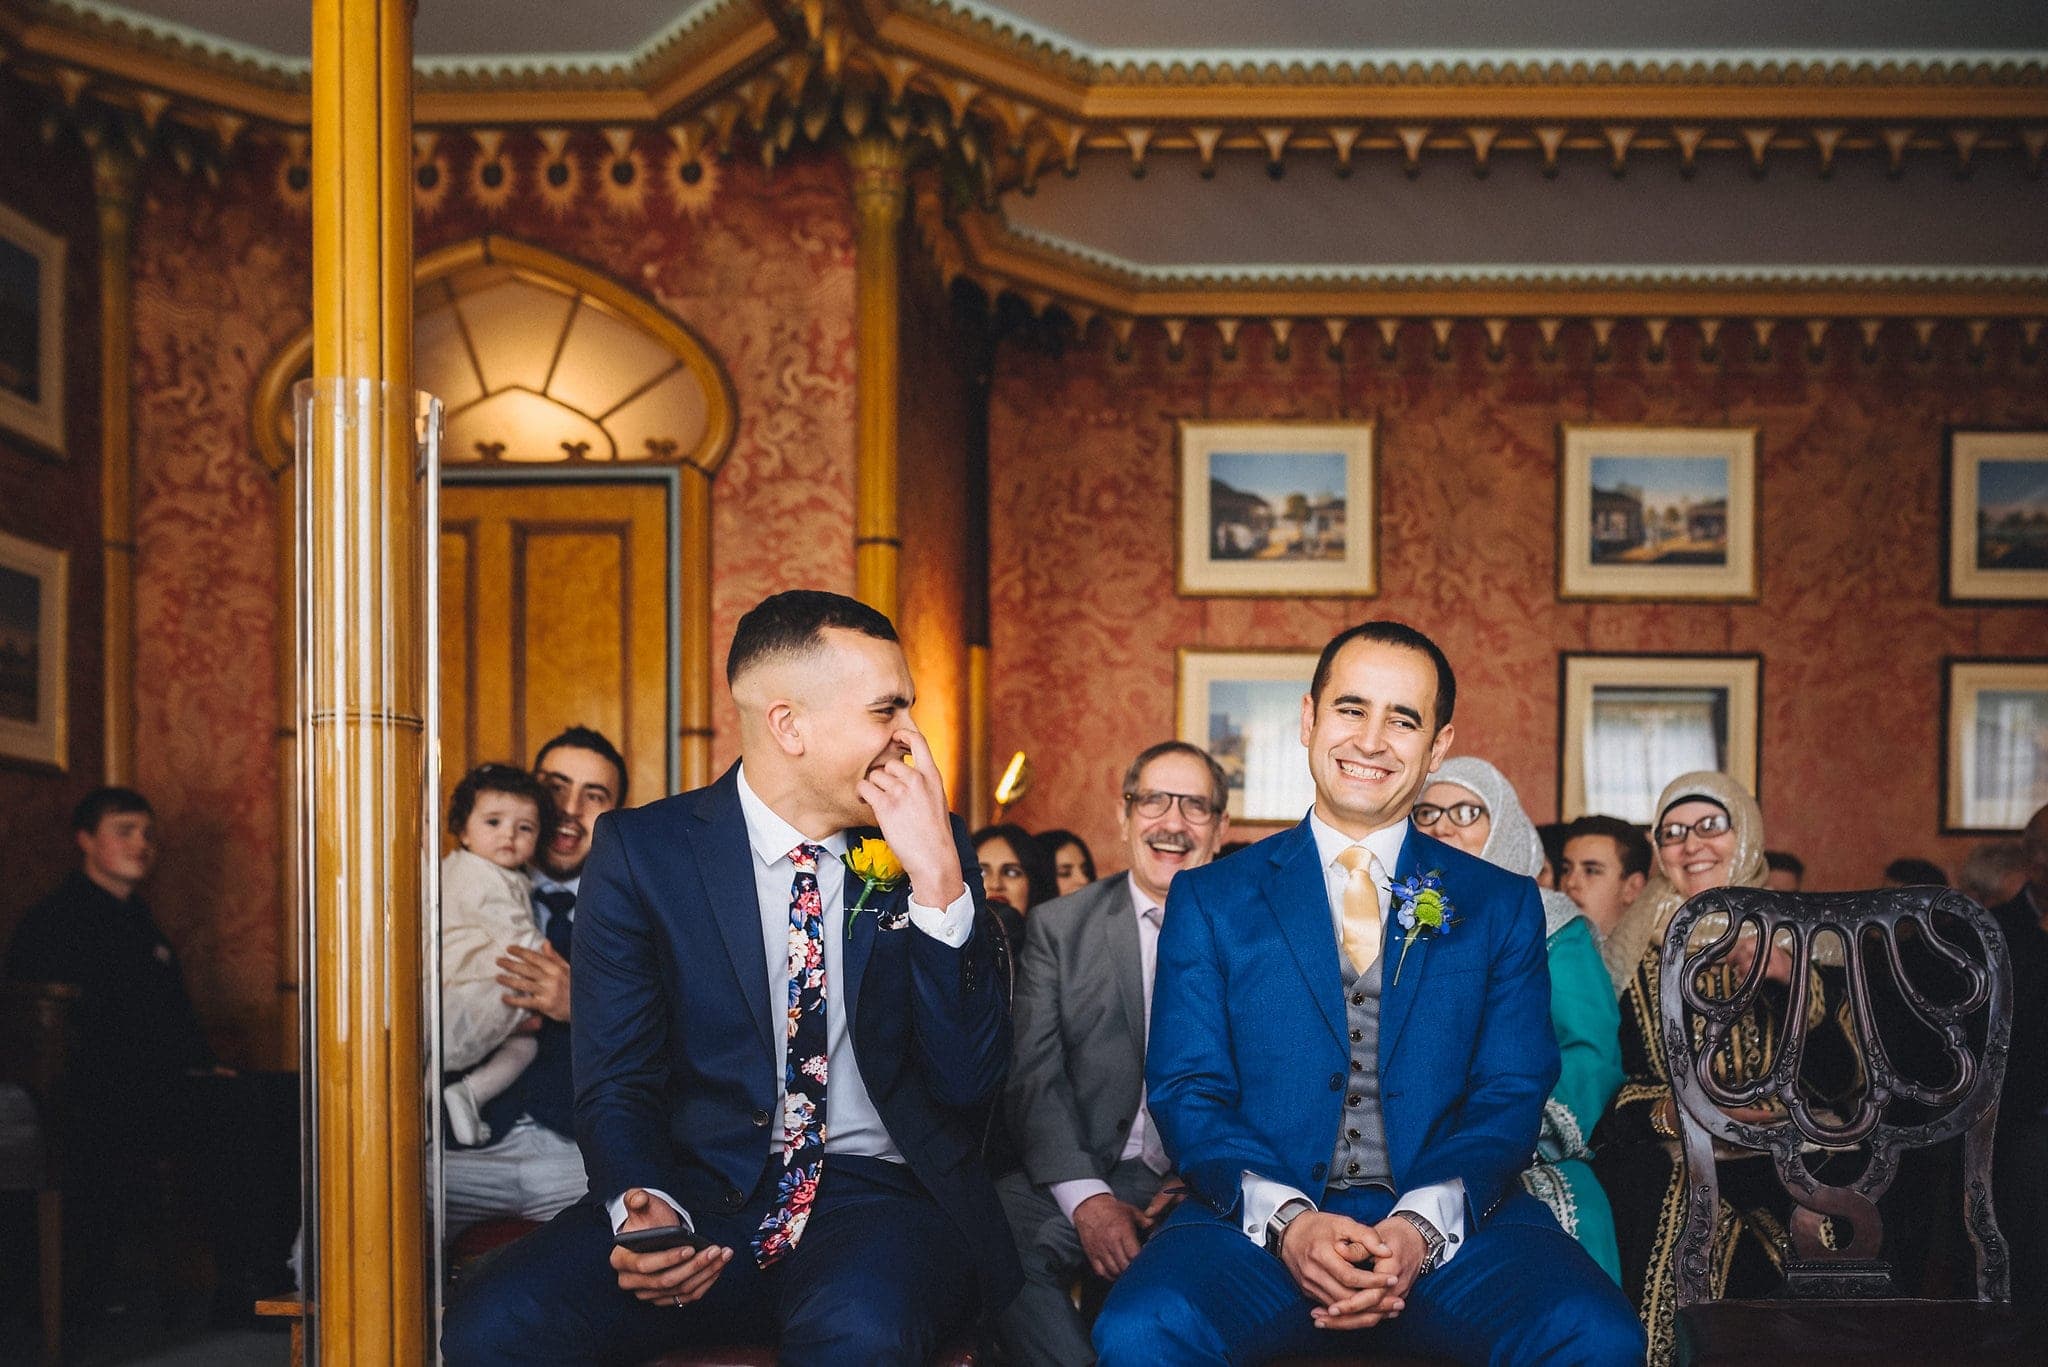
[[803, 1102]]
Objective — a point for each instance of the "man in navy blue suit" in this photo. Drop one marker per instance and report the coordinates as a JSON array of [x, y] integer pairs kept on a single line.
[[775, 1052], [1351, 1046]]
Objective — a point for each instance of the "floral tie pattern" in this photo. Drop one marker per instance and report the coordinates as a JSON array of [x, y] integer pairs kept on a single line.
[[803, 1102]]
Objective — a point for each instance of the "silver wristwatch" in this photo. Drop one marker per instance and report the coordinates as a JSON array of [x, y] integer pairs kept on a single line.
[[1432, 1241], [1276, 1227]]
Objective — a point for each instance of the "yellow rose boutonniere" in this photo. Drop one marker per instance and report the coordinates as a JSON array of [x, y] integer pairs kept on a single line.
[[876, 865]]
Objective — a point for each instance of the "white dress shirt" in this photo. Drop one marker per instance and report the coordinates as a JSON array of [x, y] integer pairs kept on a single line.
[[852, 1125], [1440, 1203], [1143, 1139]]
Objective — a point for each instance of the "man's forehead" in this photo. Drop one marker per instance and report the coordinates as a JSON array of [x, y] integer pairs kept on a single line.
[[574, 764], [1172, 766], [1380, 672]]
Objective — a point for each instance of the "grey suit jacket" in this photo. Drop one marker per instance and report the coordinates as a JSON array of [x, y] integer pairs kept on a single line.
[[1077, 1071]]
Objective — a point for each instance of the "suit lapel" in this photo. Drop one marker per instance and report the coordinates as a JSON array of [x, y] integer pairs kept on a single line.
[[1300, 899], [1397, 999], [860, 933], [1126, 955], [725, 863]]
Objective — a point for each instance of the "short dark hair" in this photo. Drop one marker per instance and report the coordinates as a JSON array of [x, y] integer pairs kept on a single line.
[[584, 738], [1058, 839], [1039, 874], [789, 623], [1628, 838], [101, 803], [1915, 873], [1219, 782], [509, 779], [1784, 861], [1392, 633]]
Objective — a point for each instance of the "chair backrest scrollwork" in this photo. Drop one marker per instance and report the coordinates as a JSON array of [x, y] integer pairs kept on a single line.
[[1892, 944]]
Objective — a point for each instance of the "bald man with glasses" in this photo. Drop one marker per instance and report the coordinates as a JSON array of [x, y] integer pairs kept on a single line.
[[1096, 1178]]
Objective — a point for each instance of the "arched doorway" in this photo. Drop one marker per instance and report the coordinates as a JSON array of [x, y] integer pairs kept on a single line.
[[584, 426]]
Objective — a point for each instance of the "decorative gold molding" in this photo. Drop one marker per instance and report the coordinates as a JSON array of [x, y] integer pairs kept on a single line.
[[879, 167]]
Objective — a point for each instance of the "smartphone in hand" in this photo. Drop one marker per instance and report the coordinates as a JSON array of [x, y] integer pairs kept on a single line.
[[660, 1239]]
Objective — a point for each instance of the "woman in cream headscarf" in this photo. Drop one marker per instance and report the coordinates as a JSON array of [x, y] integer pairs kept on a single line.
[[1582, 1008], [1708, 834]]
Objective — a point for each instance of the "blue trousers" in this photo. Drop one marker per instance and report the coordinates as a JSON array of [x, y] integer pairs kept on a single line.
[[878, 1277], [1519, 1291]]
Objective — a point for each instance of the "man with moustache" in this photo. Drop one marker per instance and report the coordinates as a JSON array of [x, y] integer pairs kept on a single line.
[[787, 1056], [1096, 1179], [532, 1168], [1350, 1100]]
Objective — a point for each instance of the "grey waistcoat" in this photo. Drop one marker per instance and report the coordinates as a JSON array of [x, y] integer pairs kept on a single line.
[[1361, 1155]]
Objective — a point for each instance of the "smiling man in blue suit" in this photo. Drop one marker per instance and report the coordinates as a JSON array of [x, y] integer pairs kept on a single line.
[[786, 1058], [1351, 1045]]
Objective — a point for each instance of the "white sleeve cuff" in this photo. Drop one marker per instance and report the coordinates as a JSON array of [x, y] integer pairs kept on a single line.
[[950, 927], [616, 1208], [1070, 1195], [1443, 1205], [1262, 1197]]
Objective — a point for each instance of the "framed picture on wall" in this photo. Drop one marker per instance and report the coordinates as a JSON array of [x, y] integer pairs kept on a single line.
[[1629, 724], [31, 331], [1277, 509], [1244, 707], [32, 621], [1657, 512], [1995, 535], [1994, 744]]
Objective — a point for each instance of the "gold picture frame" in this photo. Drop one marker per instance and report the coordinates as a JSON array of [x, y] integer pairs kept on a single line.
[[1995, 522], [1994, 752], [1629, 724], [1657, 513], [34, 593], [32, 337], [1277, 509], [1244, 708]]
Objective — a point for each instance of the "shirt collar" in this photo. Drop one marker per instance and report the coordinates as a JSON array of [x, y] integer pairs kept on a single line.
[[1141, 901], [1385, 843], [771, 837], [543, 881]]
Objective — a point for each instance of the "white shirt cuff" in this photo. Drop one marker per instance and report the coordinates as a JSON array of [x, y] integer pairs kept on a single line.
[[1443, 1205], [1262, 1198], [950, 927], [616, 1208], [1070, 1195]]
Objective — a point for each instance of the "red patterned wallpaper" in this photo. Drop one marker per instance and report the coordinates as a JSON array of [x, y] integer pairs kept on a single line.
[[56, 502], [759, 264], [1086, 620]]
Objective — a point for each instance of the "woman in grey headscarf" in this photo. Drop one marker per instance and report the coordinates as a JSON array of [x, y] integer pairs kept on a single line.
[[1470, 804]]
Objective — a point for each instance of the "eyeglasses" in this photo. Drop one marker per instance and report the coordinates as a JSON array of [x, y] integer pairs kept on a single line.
[[1427, 814], [1198, 810], [1675, 832]]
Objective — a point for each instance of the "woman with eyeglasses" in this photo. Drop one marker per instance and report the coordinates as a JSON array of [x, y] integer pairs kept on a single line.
[[1471, 804], [1708, 834]]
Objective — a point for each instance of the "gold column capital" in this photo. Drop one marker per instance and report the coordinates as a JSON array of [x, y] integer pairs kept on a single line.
[[881, 174], [116, 172]]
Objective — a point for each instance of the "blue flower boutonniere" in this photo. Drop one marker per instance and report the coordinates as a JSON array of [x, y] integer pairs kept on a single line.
[[1420, 908]]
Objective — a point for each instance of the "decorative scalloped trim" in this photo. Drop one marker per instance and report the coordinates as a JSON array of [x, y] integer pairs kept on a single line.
[[1131, 274], [703, 26], [1060, 54]]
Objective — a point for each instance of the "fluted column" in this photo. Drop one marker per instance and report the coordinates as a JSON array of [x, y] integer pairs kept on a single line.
[[362, 681], [114, 174], [878, 197]]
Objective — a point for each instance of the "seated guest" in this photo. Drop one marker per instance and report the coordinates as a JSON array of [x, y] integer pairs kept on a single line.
[[1786, 872], [788, 1027], [1994, 873], [1016, 874], [1551, 833], [1582, 1010], [1384, 1214], [1606, 866], [1915, 873], [1072, 863], [1708, 834], [2019, 1182], [530, 1168], [1095, 1174]]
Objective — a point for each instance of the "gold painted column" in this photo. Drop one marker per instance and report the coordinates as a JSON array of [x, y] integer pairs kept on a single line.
[[115, 171], [364, 615], [878, 198]]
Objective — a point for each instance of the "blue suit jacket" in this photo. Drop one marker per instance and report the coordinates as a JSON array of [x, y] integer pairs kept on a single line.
[[673, 1052], [1249, 1048]]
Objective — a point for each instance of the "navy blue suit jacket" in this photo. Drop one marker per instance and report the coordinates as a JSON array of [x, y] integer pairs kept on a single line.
[[1250, 1051], [674, 1058]]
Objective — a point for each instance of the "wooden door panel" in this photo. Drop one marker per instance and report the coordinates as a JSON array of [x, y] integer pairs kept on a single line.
[[567, 622]]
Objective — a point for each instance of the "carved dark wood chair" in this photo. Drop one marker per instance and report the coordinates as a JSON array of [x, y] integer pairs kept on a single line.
[[1921, 960], [35, 1046]]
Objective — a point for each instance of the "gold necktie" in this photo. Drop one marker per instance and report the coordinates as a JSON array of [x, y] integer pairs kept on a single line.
[[1361, 908]]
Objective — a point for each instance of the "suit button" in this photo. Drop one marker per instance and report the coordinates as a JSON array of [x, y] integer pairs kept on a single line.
[[1351, 1134], [1351, 1169], [732, 1198], [1336, 1082], [1353, 1099], [1358, 1036], [1317, 1172], [760, 1119], [1358, 999], [1357, 1067]]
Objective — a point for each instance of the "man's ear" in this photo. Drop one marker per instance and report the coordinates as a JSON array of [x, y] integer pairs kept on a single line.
[[1632, 888], [83, 839], [1441, 746], [785, 727]]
